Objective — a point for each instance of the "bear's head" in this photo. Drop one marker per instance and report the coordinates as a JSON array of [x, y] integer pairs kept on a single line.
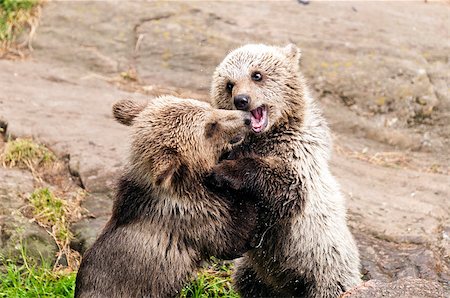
[[262, 79], [176, 141]]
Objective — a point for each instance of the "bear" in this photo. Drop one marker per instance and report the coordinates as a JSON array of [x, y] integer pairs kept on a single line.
[[165, 222], [305, 248]]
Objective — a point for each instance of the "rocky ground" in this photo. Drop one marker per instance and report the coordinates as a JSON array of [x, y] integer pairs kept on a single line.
[[380, 72]]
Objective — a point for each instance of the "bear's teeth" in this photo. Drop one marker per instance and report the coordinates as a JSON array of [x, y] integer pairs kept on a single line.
[[257, 113], [259, 119]]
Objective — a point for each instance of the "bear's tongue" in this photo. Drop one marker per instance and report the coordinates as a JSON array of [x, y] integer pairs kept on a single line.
[[259, 119]]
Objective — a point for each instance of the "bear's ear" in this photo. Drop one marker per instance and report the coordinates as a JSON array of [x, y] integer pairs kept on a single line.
[[126, 110], [169, 170], [292, 52]]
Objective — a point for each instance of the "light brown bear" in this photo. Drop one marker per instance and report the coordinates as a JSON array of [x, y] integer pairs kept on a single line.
[[305, 248], [164, 221]]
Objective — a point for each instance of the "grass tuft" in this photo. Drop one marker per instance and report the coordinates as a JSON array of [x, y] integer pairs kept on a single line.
[[55, 214], [51, 212], [214, 281], [15, 17], [27, 278], [24, 153]]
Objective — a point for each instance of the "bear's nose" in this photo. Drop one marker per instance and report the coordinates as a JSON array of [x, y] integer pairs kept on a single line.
[[242, 101]]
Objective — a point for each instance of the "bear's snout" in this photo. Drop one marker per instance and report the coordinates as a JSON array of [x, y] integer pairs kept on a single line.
[[242, 102]]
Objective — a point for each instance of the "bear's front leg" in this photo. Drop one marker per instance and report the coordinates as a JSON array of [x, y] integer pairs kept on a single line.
[[277, 185], [234, 174]]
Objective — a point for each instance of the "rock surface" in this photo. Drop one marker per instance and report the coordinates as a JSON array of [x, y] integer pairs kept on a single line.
[[379, 71], [16, 230], [402, 288], [87, 229]]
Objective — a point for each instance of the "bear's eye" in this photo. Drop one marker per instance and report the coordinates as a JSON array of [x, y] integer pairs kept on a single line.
[[256, 76], [229, 87]]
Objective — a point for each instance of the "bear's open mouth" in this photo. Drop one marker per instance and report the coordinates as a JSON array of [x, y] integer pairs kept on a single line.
[[259, 119]]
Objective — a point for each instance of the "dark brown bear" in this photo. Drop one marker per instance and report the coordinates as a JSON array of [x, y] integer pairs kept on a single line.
[[164, 221]]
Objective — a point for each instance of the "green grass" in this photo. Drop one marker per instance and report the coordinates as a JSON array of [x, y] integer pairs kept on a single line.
[[51, 211], [15, 15], [214, 281], [25, 153], [27, 278]]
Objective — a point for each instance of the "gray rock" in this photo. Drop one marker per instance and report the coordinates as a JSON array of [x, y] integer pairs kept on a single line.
[[72, 119], [88, 229], [16, 230], [86, 232], [403, 288], [385, 260]]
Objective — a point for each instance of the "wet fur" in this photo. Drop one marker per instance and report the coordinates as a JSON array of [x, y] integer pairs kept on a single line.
[[305, 248], [164, 220]]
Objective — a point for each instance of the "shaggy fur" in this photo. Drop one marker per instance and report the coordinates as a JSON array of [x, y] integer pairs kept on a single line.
[[164, 221], [304, 247]]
